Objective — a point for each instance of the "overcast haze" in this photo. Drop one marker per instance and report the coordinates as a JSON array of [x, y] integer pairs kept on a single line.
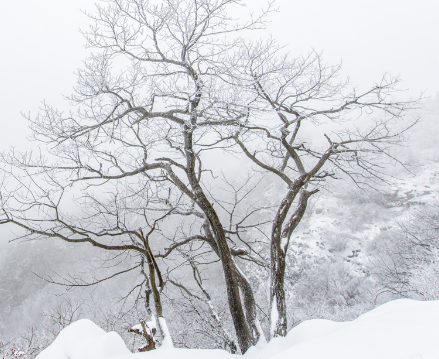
[[228, 216], [42, 46]]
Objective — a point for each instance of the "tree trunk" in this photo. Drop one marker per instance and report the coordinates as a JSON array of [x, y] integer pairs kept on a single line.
[[239, 320], [167, 339], [278, 313], [246, 290], [279, 245], [249, 305]]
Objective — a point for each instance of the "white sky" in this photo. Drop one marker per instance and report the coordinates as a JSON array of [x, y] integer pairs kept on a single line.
[[41, 46]]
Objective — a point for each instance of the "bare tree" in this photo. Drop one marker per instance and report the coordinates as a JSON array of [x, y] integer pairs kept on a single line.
[[293, 99], [169, 86], [62, 314], [104, 223], [152, 99]]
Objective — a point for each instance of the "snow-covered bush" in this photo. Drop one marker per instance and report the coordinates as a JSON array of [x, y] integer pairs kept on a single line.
[[425, 277], [28, 346], [330, 290], [406, 261]]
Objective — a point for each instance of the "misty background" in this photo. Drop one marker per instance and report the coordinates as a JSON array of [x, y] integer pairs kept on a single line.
[[41, 49]]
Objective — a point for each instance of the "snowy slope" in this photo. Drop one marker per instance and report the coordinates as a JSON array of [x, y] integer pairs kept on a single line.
[[402, 329]]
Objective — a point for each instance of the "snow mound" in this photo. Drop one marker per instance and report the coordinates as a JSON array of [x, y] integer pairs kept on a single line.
[[85, 340], [402, 329]]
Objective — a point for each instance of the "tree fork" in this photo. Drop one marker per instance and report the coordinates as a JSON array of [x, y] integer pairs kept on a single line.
[[279, 247]]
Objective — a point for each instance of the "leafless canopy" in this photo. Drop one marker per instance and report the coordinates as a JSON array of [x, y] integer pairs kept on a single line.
[[131, 167], [284, 134], [125, 167]]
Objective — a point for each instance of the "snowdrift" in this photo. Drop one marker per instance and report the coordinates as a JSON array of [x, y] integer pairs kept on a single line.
[[402, 329], [83, 339]]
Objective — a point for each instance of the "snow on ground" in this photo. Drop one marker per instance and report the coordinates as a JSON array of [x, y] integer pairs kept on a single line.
[[85, 340], [402, 329]]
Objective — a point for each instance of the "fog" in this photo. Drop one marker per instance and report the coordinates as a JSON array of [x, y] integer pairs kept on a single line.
[[343, 229]]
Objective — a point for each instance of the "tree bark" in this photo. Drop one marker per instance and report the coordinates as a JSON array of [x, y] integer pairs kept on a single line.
[[249, 305], [161, 322], [278, 313], [239, 320], [279, 245], [246, 290]]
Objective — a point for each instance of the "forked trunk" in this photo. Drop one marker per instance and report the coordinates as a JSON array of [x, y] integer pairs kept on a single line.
[[280, 238]]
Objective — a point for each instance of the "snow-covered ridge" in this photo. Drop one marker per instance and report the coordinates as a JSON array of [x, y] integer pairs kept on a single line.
[[401, 329]]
